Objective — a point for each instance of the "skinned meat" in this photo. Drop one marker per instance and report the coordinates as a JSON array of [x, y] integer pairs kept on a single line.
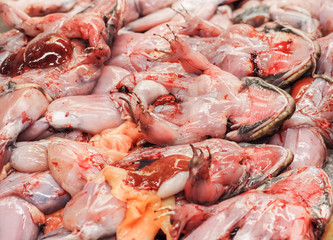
[[73, 77], [41, 8], [20, 108], [276, 54], [148, 136], [311, 124], [306, 143], [93, 212], [136, 8], [19, 219], [276, 205], [256, 13], [90, 114], [311, 16], [58, 234], [226, 174], [71, 61], [208, 100], [40, 189], [30, 157], [11, 42], [225, 171], [314, 109], [109, 78], [279, 54], [326, 57], [36, 129], [72, 163]]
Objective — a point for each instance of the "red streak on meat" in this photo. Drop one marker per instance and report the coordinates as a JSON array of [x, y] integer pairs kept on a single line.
[[28, 188], [153, 175], [151, 77], [164, 99], [283, 46], [87, 163], [25, 117], [300, 87]]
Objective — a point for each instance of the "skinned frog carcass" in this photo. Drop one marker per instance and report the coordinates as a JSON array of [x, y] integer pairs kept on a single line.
[[19, 109], [280, 54], [208, 171], [310, 16], [65, 51], [297, 205], [187, 109], [310, 127]]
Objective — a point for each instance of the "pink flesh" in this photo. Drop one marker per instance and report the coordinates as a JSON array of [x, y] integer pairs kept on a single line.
[[109, 78], [39, 189], [206, 100], [33, 131], [11, 42], [235, 171], [71, 162], [30, 157], [252, 214], [306, 144], [263, 104], [19, 109], [78, 75], [296, 17], [244, 51], [214, 144], [324, 65], [286, 207], [91, 114], [306, 187], [17, 219], [94, 212], [314, 109], [72, 78]]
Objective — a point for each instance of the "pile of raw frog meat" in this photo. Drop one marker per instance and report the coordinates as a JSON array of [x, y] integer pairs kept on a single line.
[[174, 119]]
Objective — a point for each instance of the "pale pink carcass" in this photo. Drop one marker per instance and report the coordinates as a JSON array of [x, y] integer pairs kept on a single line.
[[30, 157], [39, 189], [19, 219], [19, 109], [226, 174], [204, 9], [109, 78], [306, 143], [257, 13], [314, 108], [312, 120], [311, 16], [69, 49], [35, 8], [187, 109], [72, 163], [91, 114], [214, 170], [279, 54], [94, 212], [295, 205]]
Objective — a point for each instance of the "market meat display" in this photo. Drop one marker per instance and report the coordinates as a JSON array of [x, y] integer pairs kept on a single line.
[[176, 119]]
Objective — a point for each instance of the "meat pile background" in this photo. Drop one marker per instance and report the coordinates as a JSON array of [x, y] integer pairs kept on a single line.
[[143, 81]]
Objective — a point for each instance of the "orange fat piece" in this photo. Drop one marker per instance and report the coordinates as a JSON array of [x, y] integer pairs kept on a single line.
[[119, 140], [53, 221], [144, 217]]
